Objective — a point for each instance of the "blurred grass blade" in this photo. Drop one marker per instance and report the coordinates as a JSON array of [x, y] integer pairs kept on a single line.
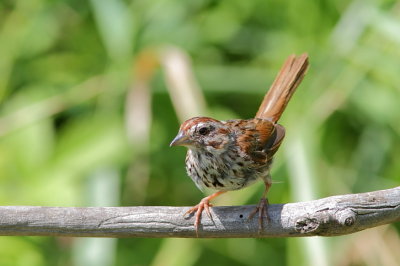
[[138, 119], [102, 190], [303, 184], [388, 25], [186, 95], [37, 111], [15, 27], [352, 24], [138, 102], [116, 27], [177, 252]]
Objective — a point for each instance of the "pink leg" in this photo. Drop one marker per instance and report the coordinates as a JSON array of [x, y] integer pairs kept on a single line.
[[203, 205], [262, 207]]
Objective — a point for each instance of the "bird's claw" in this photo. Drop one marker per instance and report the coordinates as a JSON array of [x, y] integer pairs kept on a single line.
[[262, 210], [198, 209]]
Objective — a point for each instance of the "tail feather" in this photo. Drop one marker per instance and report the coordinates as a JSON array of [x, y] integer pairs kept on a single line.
[[282, 89]]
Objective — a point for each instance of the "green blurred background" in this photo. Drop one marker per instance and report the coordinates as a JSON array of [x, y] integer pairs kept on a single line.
[[86, 117]]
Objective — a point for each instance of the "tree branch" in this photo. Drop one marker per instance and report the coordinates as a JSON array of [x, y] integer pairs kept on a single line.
[[337, 215]]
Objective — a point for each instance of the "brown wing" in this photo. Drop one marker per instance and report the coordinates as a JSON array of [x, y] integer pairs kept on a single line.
[[277, 140], [260, 138]]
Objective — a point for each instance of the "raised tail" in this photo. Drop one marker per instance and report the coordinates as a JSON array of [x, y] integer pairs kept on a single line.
[[282, 89]]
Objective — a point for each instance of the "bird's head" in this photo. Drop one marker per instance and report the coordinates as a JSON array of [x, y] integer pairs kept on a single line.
[[202, 133]]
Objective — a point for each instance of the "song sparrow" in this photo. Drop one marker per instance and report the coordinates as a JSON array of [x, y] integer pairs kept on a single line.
[[230, 155]]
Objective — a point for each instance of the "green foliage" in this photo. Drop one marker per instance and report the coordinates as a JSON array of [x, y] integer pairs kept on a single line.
[[66, 68]]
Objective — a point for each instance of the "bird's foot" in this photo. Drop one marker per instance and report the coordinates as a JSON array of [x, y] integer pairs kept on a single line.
[[198, 209], [262, 210]]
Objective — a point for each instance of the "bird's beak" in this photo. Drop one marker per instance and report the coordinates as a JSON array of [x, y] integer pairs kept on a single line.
[[180, 140]]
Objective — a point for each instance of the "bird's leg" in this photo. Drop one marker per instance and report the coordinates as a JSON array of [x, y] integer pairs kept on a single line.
[[203, 205], [262, 207]]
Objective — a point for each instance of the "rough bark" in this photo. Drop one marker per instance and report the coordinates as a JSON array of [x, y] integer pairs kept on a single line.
[[337, 215]]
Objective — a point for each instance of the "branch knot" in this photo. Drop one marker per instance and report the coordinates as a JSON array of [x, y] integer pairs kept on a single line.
[[346, 217], [306, 225]]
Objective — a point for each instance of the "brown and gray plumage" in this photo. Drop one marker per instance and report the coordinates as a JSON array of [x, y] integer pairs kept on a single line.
[[233, 154]]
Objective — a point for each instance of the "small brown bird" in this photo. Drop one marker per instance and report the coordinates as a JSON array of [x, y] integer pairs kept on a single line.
[[233, 154]]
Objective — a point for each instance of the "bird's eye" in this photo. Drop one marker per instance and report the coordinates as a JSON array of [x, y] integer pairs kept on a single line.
[[203, 131]]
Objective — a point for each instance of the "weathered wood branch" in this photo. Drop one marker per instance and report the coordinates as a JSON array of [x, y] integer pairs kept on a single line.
[[337, 215]]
